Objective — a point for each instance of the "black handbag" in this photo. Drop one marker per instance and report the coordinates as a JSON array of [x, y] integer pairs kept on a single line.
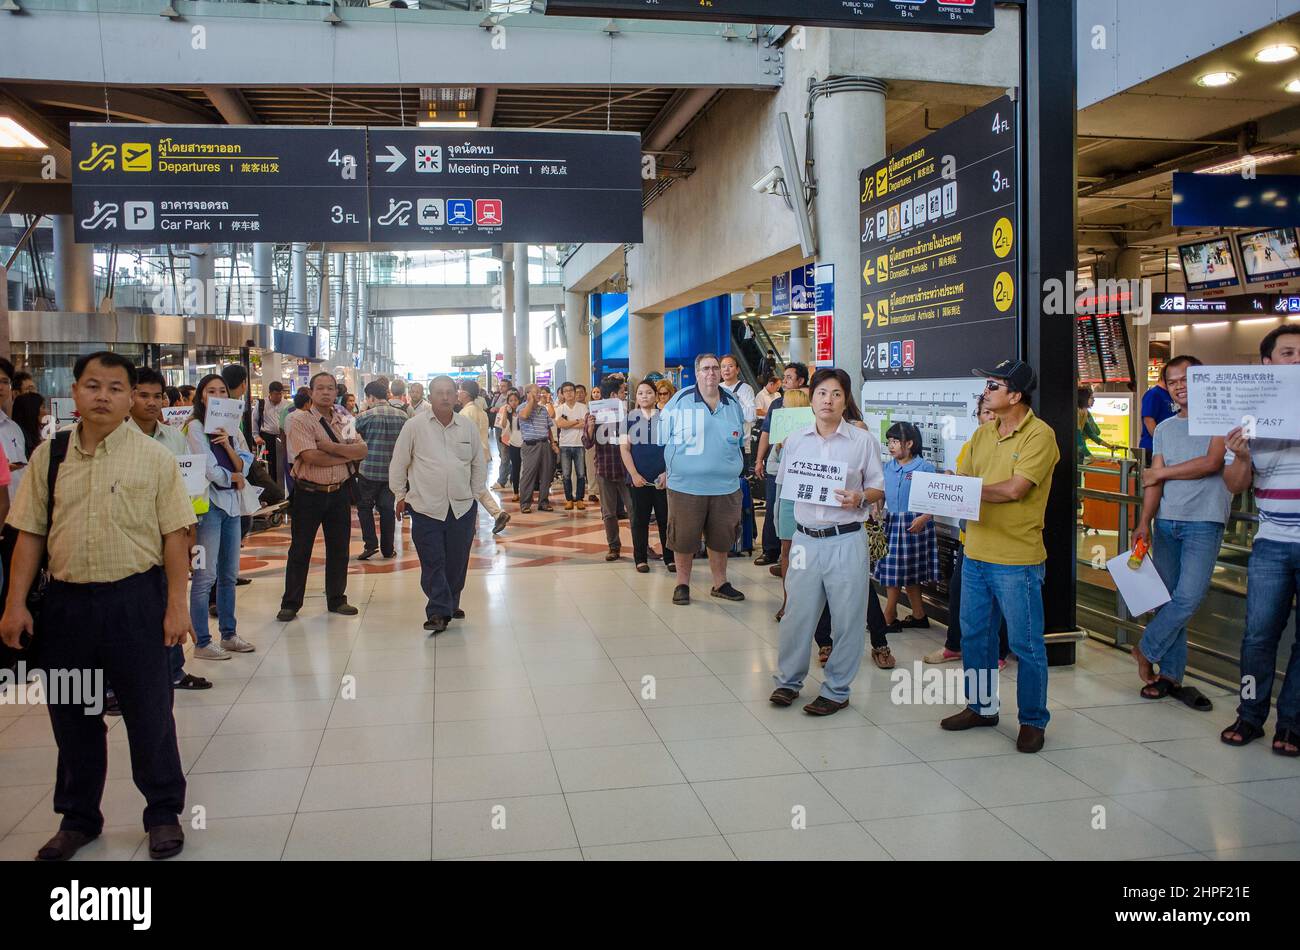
[[354, 469]]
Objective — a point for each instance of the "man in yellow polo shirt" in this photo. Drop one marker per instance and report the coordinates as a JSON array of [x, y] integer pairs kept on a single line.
[[1005, 561], [116, 602]]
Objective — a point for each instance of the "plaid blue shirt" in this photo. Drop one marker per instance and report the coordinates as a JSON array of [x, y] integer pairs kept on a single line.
[[536, 427], [379, 428]]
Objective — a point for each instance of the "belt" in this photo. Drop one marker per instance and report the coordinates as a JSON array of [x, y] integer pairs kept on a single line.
[[535, 441], [832, 531], [316, 486]]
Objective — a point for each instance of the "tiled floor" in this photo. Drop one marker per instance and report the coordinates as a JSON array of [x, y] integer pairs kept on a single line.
[[577, 714]]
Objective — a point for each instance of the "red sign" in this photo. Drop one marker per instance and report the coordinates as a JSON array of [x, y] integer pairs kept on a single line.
[[909, 354], [825, 328], [487, 212]]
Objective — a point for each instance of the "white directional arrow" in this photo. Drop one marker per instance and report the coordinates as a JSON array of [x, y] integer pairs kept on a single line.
[[394, 159]]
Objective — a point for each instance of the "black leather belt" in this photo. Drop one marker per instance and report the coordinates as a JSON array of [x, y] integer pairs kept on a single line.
[[832, 531], [316, 486], [535, 441]]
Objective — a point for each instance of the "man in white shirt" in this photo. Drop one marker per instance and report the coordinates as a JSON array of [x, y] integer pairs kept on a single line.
[[732, 382], [570, 418], [266, 420], [766, 396], [11, 436], [438, 471]]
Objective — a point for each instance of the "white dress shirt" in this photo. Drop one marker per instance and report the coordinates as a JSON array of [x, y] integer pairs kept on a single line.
[[15, 448], [745, 394], [437, 467], [854, 447]]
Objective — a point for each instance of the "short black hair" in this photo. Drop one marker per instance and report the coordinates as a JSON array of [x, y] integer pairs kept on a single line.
[[275, 387], [187, 390], [148, 376], [7, 368], [1184, 360], [103, 358], [376, 389], [906, 432], [471, 387], [1085, 393], [20, 377], [173, 395], [568, 385], [800, 371], [1266, 345], [311, 383], [234, 375]]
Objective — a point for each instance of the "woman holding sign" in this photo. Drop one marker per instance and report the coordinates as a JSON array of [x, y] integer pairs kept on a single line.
[[829, 547], [227, 458]]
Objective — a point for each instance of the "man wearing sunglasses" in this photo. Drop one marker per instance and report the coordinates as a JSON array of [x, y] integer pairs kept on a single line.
[[1002, 575]]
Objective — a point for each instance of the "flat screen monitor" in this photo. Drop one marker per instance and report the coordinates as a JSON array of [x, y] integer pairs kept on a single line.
[[1269, 255], [1208, 265]]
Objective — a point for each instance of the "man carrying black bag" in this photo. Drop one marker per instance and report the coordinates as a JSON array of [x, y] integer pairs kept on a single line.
[[115, 534]]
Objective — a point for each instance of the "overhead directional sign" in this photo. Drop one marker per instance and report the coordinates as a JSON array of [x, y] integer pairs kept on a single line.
[[940, 251], [138, 184], [141, 184], [958, 16], [504, 186]]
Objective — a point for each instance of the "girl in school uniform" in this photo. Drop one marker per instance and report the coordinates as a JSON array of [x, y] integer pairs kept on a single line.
[[913, 557]]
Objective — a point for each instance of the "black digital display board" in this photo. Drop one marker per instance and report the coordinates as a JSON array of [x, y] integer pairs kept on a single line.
[[958, 16], [503, 186], [146, 184], [940, 251]]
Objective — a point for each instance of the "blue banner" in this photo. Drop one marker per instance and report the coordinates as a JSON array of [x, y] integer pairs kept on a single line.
[[1231, 201]]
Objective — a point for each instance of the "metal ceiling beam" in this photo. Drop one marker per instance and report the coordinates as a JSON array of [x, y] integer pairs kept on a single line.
[[231, 104], [135, 105], [56, 141]]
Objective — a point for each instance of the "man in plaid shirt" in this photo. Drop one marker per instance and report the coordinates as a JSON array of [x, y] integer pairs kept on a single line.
[[611, 476], [379, 425]]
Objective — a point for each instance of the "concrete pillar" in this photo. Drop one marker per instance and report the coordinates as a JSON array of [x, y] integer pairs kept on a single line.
[[523, 355], [364, 326], [645, 346], [351, 302], [849, 135], [200, 295], [326, 303], [508, 309], [338, 269], [578, 355], [801, 343], [74, 268], [264, 283], [4, 312], [1128, 266], [298, 286]]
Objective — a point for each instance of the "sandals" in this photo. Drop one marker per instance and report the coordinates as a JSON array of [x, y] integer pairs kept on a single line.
[[824, 654], [165, 841], [1246, 733], [1157, 690], [1284, 737], [883, 658], [1191, 697]]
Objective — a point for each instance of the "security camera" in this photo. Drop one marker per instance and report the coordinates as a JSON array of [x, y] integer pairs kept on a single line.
[[770, 184]]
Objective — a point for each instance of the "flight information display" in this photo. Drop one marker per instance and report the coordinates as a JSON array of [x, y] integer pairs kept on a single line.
[[957, 16]]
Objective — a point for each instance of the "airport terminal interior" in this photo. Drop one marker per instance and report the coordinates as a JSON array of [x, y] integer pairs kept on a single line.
[[473, 197]]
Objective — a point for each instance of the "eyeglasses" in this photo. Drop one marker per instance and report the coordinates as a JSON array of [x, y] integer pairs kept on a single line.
[[993, 385]]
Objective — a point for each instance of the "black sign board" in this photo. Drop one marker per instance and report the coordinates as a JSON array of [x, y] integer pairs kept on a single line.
[[503, 186], [940, 250], [958, 16], [143, 184]]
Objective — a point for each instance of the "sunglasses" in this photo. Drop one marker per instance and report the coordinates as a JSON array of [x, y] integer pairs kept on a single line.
[[993, 385]]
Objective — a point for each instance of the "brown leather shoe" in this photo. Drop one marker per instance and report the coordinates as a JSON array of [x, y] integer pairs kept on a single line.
[[614, 554], [783, 696], [967, 719], [165, 841], [64, 845], [1030, 739], [821, 706]]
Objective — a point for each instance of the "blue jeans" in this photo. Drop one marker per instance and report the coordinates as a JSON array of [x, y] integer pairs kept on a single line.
[[1184, 552], [991, 593], [1272, 581], [573, 467], [218, 540]]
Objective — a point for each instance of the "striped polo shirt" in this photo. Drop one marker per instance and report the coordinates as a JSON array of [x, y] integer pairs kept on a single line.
[[1277, 488]]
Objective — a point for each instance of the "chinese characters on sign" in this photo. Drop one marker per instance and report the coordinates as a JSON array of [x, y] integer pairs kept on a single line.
[[1220, 398]]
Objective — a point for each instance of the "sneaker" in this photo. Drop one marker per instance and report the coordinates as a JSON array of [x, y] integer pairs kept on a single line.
[[682, 594], [727, 592], [498, 486], [212, 651], [580, 505], [942, 655], [499, 524], [568, 505], [236, 644], [111, 706]]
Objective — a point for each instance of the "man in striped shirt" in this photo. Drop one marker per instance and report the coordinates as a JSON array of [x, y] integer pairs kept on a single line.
[[379, 426], [1273, 575]]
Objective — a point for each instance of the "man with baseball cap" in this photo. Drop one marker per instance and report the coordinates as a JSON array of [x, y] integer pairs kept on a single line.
[[1005, 563]]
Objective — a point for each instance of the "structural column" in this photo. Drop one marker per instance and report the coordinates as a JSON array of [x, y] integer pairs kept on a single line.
[[351, 303], [264, 283], [849, 135], [74, 268], [645, 346], [801, 349], [1128, 266], [298, 286], [202, 282], [507, 297], [577, 356], [523, 356]]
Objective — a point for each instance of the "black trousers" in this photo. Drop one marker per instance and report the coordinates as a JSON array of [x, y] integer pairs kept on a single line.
[[112, 630], [771, 543], [373, 494], [272, 457], [308, 512], [443, 547], [644, 502], [953, 642], [875, 622]]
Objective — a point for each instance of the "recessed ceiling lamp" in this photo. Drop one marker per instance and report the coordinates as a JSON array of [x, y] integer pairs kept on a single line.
[[1292, 86], [1220, 78], [15, 135], [1277, 53]]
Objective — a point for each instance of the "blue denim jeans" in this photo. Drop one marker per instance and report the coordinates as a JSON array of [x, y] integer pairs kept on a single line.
[[218, 538], [1184, 553], [991, 593], [573, 472], [1272, 582]]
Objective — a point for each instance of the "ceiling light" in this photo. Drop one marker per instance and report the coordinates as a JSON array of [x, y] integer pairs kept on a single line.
[[449, 124], [1208, 326], [14, 135], [1244, 161], [1221, 78], [1292, 86], [1277, 53]]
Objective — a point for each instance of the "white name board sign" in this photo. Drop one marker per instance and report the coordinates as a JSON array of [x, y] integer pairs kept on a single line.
[[812, 480], [193, 472], [1142, 589], [223, 414], [607, 410], [177, 415], [1220, 398], [953, 496]]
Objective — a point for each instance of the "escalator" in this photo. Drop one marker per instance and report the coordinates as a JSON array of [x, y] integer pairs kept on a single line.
[[749, 342]]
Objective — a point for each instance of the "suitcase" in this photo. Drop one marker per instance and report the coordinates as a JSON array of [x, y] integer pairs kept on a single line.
[[748, 526]]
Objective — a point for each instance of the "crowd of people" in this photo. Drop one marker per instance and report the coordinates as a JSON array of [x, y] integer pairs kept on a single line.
[[132, 561]]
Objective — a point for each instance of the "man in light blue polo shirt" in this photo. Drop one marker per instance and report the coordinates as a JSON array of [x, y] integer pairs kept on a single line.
[[702, 430]]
